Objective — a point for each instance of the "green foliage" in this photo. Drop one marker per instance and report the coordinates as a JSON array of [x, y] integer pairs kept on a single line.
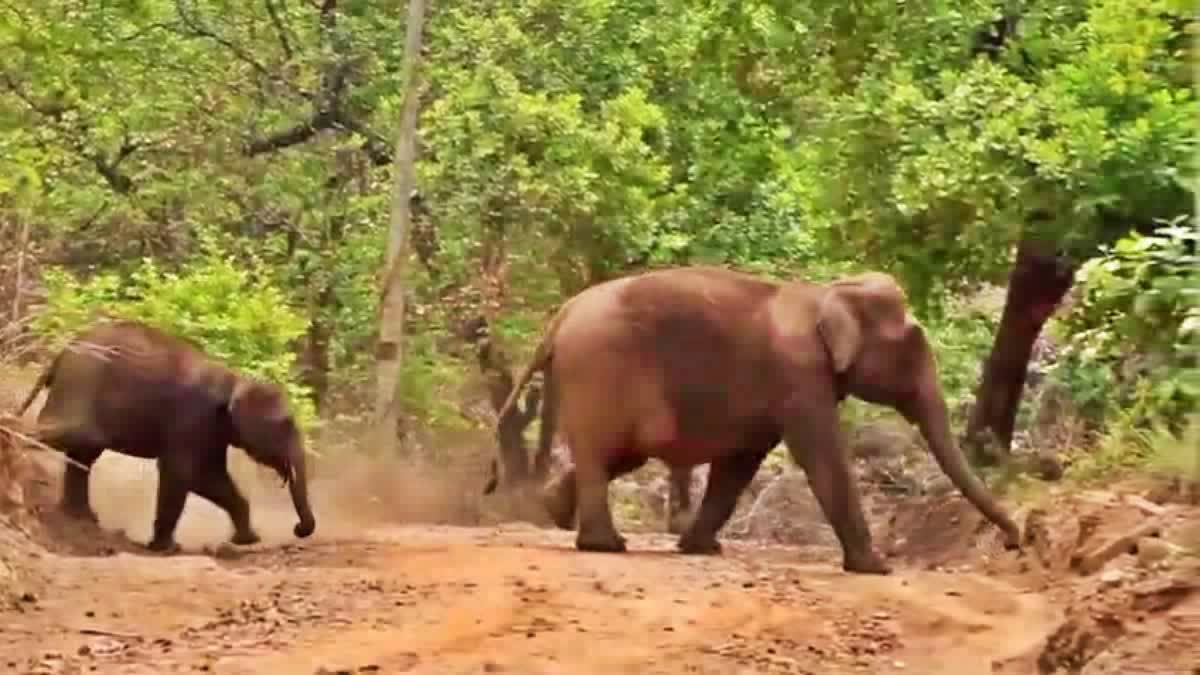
[[961, 337], [430, 382], [1133, 336], [1127, 448], [937, 172], [214, 301], [566, 142]]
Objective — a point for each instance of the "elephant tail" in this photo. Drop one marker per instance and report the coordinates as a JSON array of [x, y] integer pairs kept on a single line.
[[44, 380], [540, 361]]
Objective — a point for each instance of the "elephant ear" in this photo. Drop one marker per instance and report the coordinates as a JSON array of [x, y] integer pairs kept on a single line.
[[840, 331], [253, 407]]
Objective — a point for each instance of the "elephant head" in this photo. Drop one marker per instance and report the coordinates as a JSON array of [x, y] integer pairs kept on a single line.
[[879, 353], [264, 427]]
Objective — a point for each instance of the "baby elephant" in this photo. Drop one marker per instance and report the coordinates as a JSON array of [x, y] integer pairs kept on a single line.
[[130, 387]]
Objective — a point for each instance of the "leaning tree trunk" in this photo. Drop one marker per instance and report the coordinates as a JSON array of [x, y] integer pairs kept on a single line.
[[1037, 284], [388, 351]]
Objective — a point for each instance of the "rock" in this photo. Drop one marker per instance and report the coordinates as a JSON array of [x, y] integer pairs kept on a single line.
[[938, 486], [1151, 550], [1147, 506], [1111, 578], [1052, 538], [879, 440], [1160, 595], [1048, 467], [226, 551]]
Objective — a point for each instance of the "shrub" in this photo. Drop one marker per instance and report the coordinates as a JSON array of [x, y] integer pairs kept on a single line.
[[1132, 339], [213, 300]]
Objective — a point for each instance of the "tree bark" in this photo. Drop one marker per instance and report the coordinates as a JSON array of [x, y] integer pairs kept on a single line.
[[314, 357], [315, 361], [19, 278], [494, 365], [388, 351], [1037, 284]]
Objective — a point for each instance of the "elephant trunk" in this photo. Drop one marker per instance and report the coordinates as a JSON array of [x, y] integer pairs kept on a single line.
[[932, 419], [298, 486]]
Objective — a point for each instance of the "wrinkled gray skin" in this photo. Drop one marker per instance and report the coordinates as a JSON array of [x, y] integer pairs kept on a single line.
[[132, 388], [717, 366]]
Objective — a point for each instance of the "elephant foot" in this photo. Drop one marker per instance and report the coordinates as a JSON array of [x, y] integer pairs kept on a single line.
[[600, 543], [867, 563], [164, 546], [562, 522], [245, 538], [561, 509], [698, 545]]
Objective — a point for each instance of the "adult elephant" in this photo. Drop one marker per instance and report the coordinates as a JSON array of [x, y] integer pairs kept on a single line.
[[130, 387], [703, 364]]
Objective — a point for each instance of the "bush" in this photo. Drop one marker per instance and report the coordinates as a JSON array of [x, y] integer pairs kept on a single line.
[[961, 337], [1132, 338], [213, 300]]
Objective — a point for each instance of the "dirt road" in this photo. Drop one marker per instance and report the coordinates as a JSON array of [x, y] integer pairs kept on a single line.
[[368, 595], [513, 599]]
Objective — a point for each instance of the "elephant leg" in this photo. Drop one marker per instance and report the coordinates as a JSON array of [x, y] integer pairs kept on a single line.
[[561, 496], [217, 486], [173, 483], [597, 532], [817, 447], [727, 479], [559, 499], [679, 499], [79, 447], [76, 497]]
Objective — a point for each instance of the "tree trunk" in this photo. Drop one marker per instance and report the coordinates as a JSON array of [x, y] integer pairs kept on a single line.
[[19, 278], [388, 352], [1037, 284], [314, 358], [497, 374]]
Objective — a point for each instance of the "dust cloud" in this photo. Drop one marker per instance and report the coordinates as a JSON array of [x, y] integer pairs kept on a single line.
[[350, 493], [351, 490]]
